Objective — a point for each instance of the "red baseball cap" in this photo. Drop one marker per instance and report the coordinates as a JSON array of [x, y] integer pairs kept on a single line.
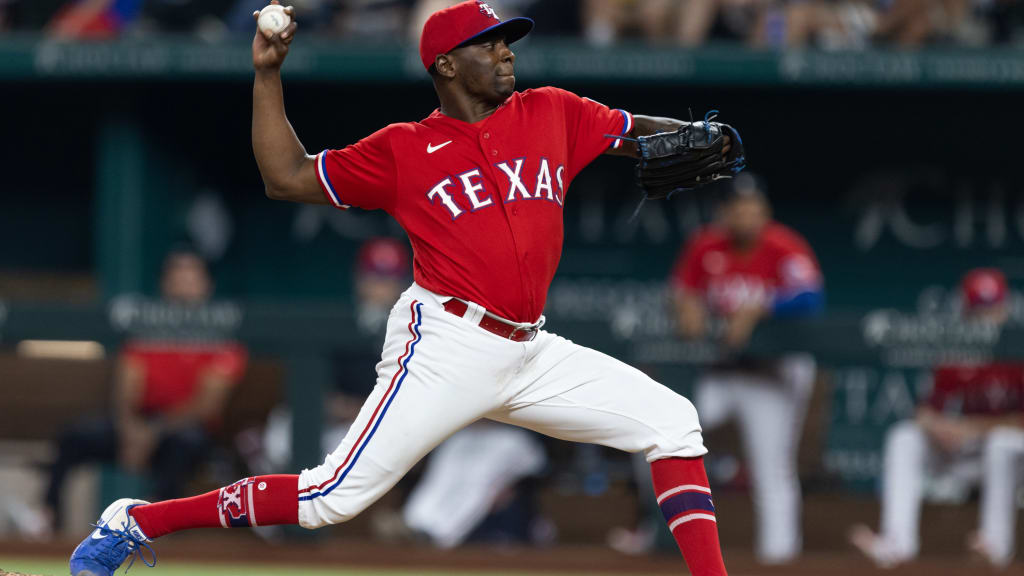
[[383, 257], [983, 287], [452, 27]]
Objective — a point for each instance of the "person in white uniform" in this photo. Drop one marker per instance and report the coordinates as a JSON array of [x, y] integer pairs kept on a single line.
[[967, 432], [741, 269]]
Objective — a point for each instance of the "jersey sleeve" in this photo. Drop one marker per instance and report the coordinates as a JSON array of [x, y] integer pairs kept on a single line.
[[800, 287], [361, 175], [591, 127], [798, 268]]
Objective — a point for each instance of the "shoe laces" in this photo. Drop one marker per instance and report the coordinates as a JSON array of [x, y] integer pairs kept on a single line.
[[135, 544]]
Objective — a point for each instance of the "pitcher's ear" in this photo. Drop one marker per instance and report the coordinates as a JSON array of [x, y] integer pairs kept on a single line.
[[444, 66]]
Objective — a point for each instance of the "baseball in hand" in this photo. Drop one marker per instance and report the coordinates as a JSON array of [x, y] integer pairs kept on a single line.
[[273, 19]]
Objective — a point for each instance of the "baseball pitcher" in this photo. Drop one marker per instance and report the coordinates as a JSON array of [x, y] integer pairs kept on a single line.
[[478, 186]]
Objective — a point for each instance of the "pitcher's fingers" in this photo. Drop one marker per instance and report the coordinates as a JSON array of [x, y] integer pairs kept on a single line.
[[289, 33]]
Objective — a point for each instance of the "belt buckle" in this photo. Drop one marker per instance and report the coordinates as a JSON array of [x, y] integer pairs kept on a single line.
[[531, 332]]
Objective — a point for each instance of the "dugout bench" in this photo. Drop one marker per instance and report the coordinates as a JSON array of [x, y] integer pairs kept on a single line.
[[41, 396]]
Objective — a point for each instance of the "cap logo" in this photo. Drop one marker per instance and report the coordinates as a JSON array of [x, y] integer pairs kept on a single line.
[[485, 9], [987, 288]]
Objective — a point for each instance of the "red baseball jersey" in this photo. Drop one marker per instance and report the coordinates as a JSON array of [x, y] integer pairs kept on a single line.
[[481, 203], [172, 370], [987, 390], [780, 262]]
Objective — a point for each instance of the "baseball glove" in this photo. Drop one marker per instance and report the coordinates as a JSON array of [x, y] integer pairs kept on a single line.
[[688, 158]]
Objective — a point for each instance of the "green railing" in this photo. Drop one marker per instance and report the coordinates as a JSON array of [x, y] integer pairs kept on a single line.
[[32, 58]]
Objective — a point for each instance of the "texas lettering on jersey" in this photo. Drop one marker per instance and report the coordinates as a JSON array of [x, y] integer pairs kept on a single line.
[[482, 202], [471, 185]]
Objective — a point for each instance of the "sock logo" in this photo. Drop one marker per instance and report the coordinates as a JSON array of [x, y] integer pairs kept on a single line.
[[234, 504]]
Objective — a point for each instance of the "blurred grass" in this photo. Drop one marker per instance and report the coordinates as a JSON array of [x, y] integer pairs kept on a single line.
[[51, 567]]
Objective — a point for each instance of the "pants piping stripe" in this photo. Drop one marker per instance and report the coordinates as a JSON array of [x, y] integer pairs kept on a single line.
[[378, 415]]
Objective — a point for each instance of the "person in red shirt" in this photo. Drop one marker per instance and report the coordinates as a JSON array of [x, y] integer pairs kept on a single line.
[[968, 429], [168, 397], [734, 273], [478, 186]]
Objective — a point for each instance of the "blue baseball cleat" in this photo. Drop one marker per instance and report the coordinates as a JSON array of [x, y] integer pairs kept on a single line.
[[116, 537]]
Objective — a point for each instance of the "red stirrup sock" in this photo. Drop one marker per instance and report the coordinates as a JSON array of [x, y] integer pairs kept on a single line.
[[681, 486], [255, 501]]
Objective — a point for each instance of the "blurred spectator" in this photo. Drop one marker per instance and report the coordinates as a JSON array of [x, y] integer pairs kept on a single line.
[[469, 476], [314, 15], [1007, 21], [607, 20], [28, 15], [908, 23], [202, 18], [974, 415], [985, 296], [1001, 465], [692, 22], [740, 270], [789, 24], [169, 396], [836, 25], [911, 23], [560, 18], [382, 273], [94, 19], [106, 19], [831, 24], [1003, 457], [372, 20], [857, 24]]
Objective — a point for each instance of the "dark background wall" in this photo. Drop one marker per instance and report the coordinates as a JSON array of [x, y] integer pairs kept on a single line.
[[895, 189]]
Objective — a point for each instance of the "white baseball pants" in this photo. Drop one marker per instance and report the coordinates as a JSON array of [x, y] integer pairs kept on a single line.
[[770, 413], [910, 463], [906, 457], [1002, 457], [466, 475], [439, 373]]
